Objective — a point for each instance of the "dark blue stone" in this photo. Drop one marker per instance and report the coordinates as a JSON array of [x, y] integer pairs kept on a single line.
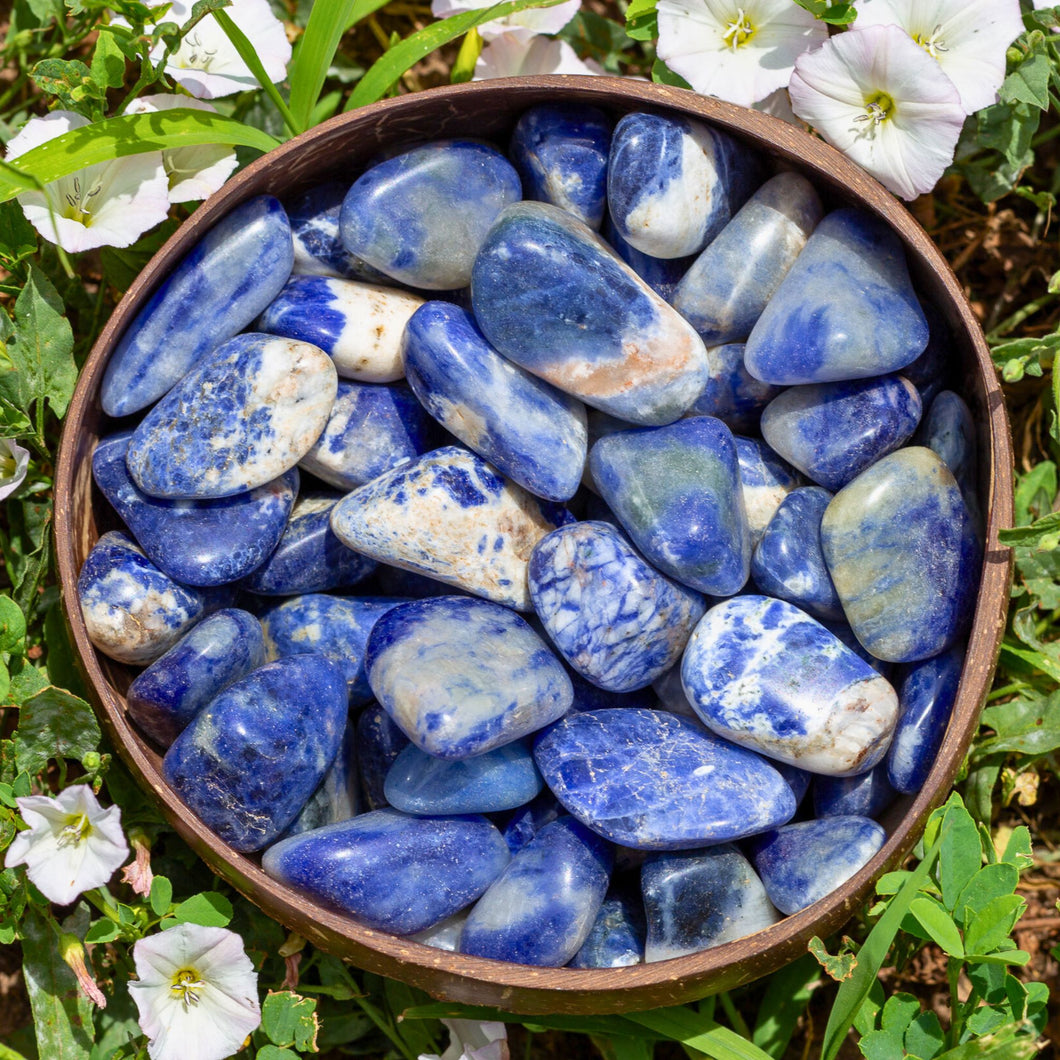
[[616, 939], [765, 480], [589, 696], [932, 370], [866, 795], [948, 429], [336, 796], [662, 275], [379, 742], [731, 392], [528, 820]]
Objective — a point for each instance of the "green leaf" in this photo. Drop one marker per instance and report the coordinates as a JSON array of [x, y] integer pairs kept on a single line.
[[464, 65], [1018, 850], [1029, 81], [990, 882], [783, 1005], [71, 82], [836, 14], [993, 925], [841, 966], [685, 1026], [938, 924], [328, 20], [881, 1045], [53, 724], [103, 930], [1009, 1043], [18, 241], [209, 909], [418, 1036], [108, 60], [961, 854], [925, 1037], [161, 895], [661, 74], [1035, 491], [601, 1026], [290, 1019], [1042, 533], [642, 20], [12, 627], [271, 1052]]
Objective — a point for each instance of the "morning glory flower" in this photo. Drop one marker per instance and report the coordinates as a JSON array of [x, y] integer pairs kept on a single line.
[[471, 1040], [72, 843], [512, 55], [523, 24], [196, 985], [884, 102], [14, 461], [110, 204], [968, 38], [739, 50], [71, 951]]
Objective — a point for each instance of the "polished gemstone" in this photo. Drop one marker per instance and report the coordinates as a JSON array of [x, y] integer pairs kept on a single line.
[[526, 821], [336, 796], [445, 935], [948, 429], [866, 795], [932, 371], [662, 275], [589, 696], [731, 393], [616, 939], [379, 742], [765, 480]]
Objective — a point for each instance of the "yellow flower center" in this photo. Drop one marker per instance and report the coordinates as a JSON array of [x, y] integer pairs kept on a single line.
[[78, 828], [931, 44], [877, 110], [79, 202], [739, 30], [198, 57], [8, 463], [187, 986]]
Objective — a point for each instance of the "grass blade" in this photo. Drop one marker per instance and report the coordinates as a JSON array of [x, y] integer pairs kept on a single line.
[[687, 1027], [598, 1026], [785, 1000], [328, 20]]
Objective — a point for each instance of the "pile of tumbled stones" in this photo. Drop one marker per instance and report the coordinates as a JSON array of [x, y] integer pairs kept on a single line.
[[540, 595]]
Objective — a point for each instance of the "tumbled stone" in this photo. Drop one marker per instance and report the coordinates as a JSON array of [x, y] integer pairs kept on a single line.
[[866, 795], [765, 480], [845, 310], [223, 283], [797, 779], [551, 296], [931, 372], [421, 216], [948, 429], [697, 899], [221, 649], [766, 675], [526, 821], [590, 696], [445, 935], [379, 742], [243, 416], [616, 939], [902, 552], [831, 432], [253, 756], [676, 491], [335, 798], [532, 432], [392, 871], [451, 516], [662, 275], [731, 393], [461, 676], [636, 777], [543, 905], [615, 619]]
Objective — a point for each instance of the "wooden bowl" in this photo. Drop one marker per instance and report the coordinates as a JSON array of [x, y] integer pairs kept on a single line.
[[339, 149]]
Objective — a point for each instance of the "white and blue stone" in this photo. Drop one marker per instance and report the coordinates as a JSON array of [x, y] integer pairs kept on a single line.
[[243, 416], [615, 619], [542, 907], [866, 795], [676, 491], [831, 432], [616, 939], [765, 480], [723, 293], [390, 870], [336, 796], [221, 649], [673, 184], [453, 517], [845, 310], [560, 151], [697, 899], [662, 275], [196, 542], [731, 393], [358, 325], [765, 675], [651, 780], [461, 676], [223, 283], [788, 562], [445, 935], [902, 551], [379, 742], [421, 216], [255, 754], [533, 433], [802, 863], [551, 296]]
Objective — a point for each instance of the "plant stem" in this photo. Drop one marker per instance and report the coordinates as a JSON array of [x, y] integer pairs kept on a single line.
[[735, 1019]]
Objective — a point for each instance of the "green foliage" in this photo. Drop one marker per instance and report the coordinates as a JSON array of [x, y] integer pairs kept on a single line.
[[290, 1021], [837, 13]]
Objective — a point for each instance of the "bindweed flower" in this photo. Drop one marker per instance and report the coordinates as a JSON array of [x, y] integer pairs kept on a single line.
[[14, 462], [778, 104], [471, 1040], [71, 951], [511, 55], [739, 50], [137, 874], [110, 204], [968, 38], [884, 102], [197, 993], [193, 172], [72, 843], [524, 24]]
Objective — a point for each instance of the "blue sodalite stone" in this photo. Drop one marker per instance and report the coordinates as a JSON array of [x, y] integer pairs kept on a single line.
[[616, 939], [617, 621], [802, 863], [765, 480], [243, 416], [461, 676], [797, 779], [551, 296], [636, 777], [724, 292], [560, 150], [196, 542], [902, 552], [309, 557], [845, 310], [335, 626], [168, 695], [731, 393], [589, 696], [843, 631], [949, 430], [336, 796], [379, 742], [926, 692], [764, 674], [543, 905], [371, 429], [358, 325], [501, 779], [421, 217], [833, 431], [676, 491], [697, 899], [451, 516], [673, 184], [533, 433], [225, 281], [526, 821], [133, 612], [866, 795], [662, 275], [931, 371], [789, 563], [252, 757], [392, 871]]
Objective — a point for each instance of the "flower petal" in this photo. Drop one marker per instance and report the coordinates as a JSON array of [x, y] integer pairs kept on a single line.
[[524, 24], [511, 55]]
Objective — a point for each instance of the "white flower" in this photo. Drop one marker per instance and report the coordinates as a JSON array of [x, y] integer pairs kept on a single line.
[[884, 102], [471, 1040], [193, 172], [110, 204], [197, 993], [512, 55], [739, 50], [72, 844], [968, 38], [14, 461], [523, 23], [778, 104]]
